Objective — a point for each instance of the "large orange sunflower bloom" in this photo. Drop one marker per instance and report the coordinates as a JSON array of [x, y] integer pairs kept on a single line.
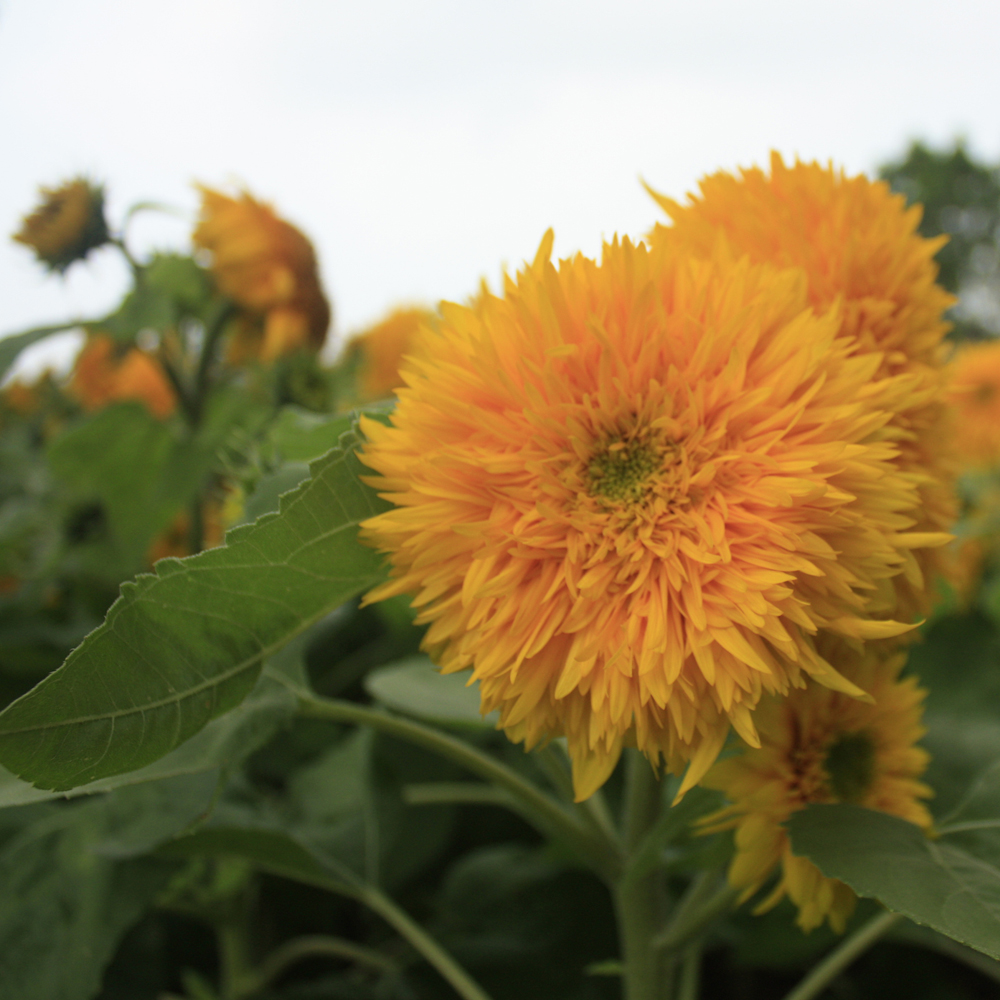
[[269, 268], [858, 245], [628, 493]]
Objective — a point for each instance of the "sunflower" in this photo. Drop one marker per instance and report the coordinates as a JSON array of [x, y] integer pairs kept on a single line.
[[975, 393], [628, 493], [818, 745], [268, 268], [858, 245], [378, 352], [67, 225], [107, 373]]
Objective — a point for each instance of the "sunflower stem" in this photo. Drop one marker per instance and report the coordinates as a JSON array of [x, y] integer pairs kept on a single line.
[[316, 946], [841, 957], [463, 984], [637, 900], [690, 978], [538, 808]]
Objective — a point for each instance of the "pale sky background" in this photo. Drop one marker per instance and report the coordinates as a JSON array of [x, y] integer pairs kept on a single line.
[[424, 145]]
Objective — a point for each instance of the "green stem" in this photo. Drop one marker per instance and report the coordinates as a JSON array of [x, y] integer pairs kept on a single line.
[[318, 946], [234, 964], [464, 985], [703, 903], [119, 242], [841, 957], [213, 330], [538, 808], [636, 900], [690, 979], [433, 793]]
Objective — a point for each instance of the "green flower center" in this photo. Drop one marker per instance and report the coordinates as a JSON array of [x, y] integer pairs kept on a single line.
[[622, 470], [850, 764]]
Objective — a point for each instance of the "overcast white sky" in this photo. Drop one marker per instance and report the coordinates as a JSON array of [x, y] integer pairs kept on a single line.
[[423, 145]]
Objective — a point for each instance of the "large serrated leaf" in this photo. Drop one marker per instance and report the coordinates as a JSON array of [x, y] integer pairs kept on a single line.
[[933, 882], [186, 644], [222, 743]]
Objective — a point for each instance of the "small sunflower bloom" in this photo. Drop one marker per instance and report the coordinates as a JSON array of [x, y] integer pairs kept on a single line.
[[819, 745], [974, 388], [628, 494], [269, 269], [378, 352], [106, 373], [858, 245], [67, 225]]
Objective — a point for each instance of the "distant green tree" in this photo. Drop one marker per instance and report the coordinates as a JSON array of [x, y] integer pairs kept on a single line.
[[961, 197]]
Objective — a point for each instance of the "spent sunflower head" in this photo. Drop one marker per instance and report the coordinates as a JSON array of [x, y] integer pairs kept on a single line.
[[975, 393], [268, 268], [818, 745], [106, 372], [628, 493], [67, 224], [858, 245]]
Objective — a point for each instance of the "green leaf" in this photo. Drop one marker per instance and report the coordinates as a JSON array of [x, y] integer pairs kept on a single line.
[[933, 882], [300, 436], [415, 687], [73, 883], [272, 850], [185, 645], [12, 344], [222, 743]]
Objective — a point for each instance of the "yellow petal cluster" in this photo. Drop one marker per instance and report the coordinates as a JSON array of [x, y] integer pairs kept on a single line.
[[268, 267], [629, 493], [378, 352], [975, 394], [818, 745], [67, 225], [106, 373], [858, 246]]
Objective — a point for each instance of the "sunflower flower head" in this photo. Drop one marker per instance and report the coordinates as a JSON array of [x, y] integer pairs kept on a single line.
[[269, 269], [67, 224], [378, 352], [858, 245], [818, 745], [106, 373], [975, 394], [628, 494]]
